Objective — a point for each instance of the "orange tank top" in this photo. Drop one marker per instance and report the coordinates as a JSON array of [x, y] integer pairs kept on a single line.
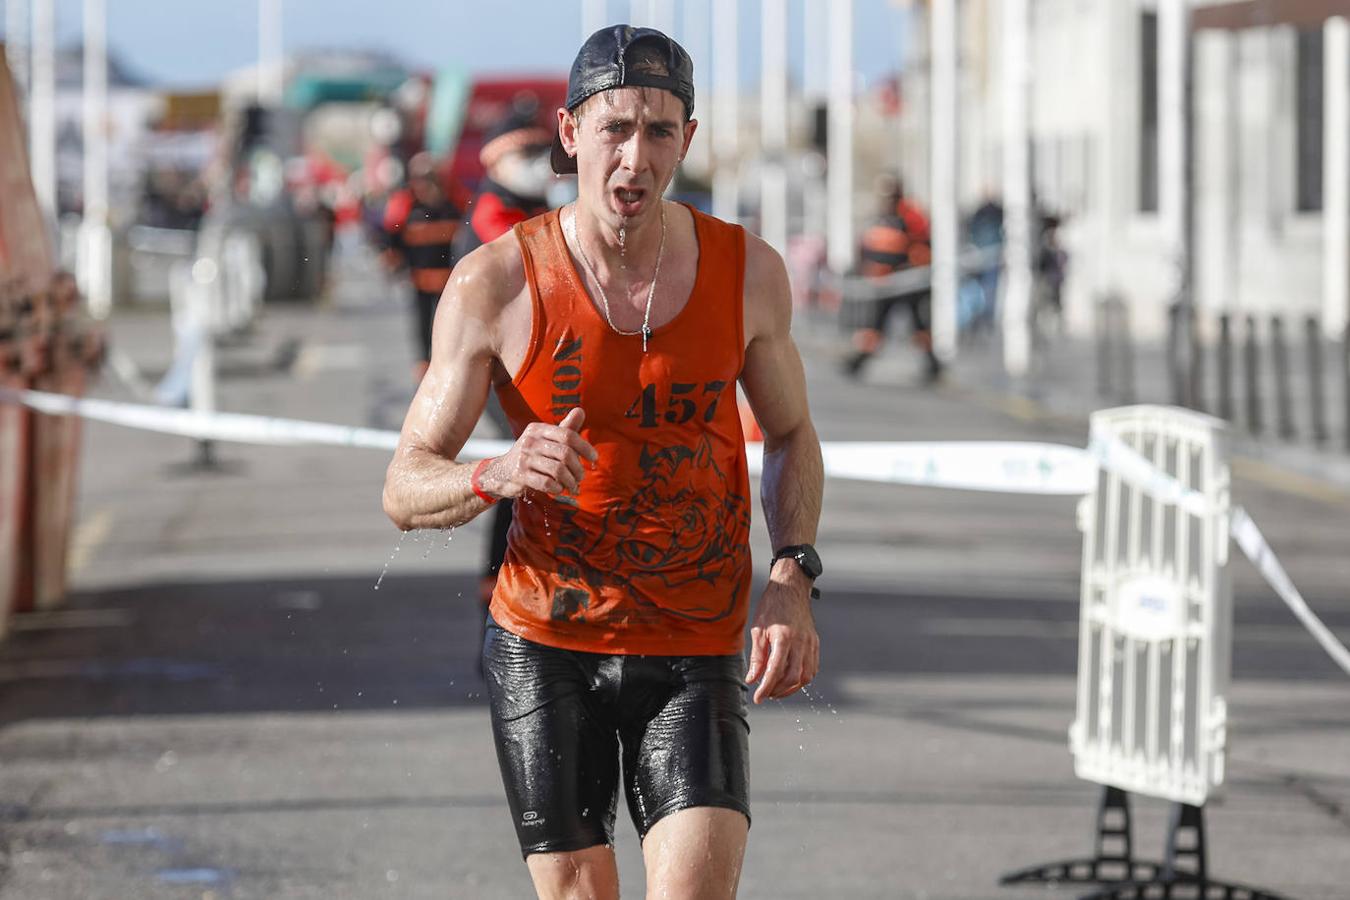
[[653, 555]]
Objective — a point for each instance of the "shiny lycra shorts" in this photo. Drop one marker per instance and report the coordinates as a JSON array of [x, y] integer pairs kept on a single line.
[[569, 725]]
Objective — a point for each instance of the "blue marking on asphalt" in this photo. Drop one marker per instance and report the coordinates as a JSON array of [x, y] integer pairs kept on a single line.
[[192, 876], [133, 836]]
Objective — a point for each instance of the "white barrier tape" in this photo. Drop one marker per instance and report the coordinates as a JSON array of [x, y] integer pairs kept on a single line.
[[1010, 467], [1253, 544], [219, 426], [1005, 467], [1119, 457]]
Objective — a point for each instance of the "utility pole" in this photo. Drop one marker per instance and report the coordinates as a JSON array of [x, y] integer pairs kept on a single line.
[[1017, 203], [943, 166], [1336, 177], [594, 16], [726, 111], [773, 125], [1176, 195], [271, 64], [42, 110], [841, 246], [95, 257]]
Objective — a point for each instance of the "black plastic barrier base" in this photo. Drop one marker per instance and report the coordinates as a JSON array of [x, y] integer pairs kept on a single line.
[[1183, 874]]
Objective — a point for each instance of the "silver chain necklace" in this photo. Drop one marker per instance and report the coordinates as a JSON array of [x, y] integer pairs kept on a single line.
[[646, 330]]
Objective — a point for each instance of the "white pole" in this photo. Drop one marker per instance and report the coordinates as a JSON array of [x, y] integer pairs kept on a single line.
[[42, 109], [815, 90], [95, 258], [271, 75], [726, 111], [594, 16], [1336, 177], [656, 14], [694, 37], [942, 166], [16, 47], [1018, 212], [841, 246], [773, 124], [1172, 25]]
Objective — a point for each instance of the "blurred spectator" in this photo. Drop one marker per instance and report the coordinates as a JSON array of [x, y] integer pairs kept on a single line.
[[420, 223], [897, 240], [1052, 264], [979, 299]]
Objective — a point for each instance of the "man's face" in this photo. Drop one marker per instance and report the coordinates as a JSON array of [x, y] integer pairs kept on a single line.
[[627, 142]]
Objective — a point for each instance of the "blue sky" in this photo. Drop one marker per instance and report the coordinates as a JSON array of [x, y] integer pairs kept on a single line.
[[192, 43]]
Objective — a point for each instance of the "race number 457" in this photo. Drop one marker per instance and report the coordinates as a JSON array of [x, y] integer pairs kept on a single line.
[[685, 400]]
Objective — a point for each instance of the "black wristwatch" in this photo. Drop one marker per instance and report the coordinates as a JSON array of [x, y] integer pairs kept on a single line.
[[805, 556]]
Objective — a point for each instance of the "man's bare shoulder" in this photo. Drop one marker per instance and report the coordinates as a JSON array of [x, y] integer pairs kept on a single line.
[[768, 294], [489, 278]]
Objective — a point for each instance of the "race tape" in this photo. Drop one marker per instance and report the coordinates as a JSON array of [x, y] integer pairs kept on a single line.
[[240, 428], [1009, 467], [1254, 546], [1028, 468]]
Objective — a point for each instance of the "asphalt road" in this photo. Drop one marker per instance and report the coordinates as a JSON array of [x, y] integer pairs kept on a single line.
[[258, 690]]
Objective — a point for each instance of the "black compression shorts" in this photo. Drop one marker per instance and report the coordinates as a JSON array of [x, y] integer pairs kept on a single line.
[[563, 720]]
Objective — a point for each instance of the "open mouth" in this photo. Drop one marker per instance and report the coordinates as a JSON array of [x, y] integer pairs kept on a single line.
[[629, 201]]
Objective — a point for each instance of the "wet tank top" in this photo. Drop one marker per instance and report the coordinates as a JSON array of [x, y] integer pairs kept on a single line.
[[652, 556]]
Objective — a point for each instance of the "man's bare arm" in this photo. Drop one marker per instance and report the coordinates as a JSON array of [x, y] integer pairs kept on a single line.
[[785, 648], [425, 485]]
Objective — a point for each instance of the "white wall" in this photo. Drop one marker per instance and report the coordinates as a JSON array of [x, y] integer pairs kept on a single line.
[[1255, 252]]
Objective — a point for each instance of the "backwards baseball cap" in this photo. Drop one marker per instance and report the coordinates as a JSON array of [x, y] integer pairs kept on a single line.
[[624, 56]]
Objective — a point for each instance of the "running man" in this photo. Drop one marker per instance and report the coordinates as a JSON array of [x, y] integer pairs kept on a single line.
[[614, 331]]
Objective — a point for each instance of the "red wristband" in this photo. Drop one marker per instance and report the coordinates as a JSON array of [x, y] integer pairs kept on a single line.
[[477, 489]]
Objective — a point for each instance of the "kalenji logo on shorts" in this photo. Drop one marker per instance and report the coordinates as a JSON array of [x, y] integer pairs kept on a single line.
[[530, 819]]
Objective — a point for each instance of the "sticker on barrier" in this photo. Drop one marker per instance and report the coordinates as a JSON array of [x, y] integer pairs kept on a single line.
[[1156, 609]]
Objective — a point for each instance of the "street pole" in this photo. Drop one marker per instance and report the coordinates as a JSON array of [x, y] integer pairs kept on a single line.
[[815, 90], [1336, 177], [694, 37], [1175, 184], [42, 110], [773, 124], [17, 38], [726, 111], [271, 76], [95, 257], [1019, 213], [841, 246], [594, 16], [943, 162]]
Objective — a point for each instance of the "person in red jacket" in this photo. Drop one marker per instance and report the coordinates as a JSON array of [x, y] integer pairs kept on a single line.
[[898, 239], [420, 223]]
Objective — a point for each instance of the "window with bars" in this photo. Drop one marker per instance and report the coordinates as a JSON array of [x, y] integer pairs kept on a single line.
[[1308, 121], [1148, 111]]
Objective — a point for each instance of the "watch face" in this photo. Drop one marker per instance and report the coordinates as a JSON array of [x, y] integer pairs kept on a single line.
[[809, 560]]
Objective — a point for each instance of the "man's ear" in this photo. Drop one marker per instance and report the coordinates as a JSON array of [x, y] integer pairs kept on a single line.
[[689, 128], [567, 131]]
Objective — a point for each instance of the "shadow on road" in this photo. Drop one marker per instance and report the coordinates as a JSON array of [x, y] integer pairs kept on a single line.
[[325, 644]]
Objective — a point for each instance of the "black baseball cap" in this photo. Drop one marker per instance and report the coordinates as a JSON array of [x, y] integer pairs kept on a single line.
[[602, 64]]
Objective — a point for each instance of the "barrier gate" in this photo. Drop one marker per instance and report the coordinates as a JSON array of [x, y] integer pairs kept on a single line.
[[1155, 640], [1156, 614]]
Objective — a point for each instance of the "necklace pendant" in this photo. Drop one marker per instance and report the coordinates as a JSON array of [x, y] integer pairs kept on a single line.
[[646, 333]]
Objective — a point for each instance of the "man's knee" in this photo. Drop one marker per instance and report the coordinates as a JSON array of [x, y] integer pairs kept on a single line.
[[589, 874], [696, 854]]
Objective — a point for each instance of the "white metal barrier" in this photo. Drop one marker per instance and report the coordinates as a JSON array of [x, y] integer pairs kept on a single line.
[[1156, 623]]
